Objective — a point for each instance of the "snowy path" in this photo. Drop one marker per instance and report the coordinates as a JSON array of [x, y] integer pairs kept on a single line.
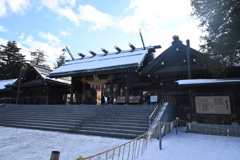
[[24, 144], [189, 146]]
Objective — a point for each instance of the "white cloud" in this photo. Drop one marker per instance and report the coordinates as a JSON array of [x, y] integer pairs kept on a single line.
[[55, 4], [2, 29], [3, 10], [53, 40], [62, 8], [91, 14], [19, 6], [64, 33], [52, 52], [16, 6], [28, 44], [87, 13], [154, 13], [164, 36], [3, 41], [160, 20], [21, 36], [69, 13], [67, 2]]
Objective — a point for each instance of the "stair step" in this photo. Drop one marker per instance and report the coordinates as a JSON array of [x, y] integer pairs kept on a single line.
[[122, 121]]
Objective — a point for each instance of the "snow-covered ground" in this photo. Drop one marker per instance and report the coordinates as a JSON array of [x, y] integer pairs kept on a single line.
[[24, 144]]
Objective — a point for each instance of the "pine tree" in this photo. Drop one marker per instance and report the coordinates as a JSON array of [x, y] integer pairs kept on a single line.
[[60, 61], [38, 57], [10, 60], [220, 20]]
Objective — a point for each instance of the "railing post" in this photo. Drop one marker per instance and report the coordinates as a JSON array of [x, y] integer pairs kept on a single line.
[[160, 136], [177, 125], [55, 155], [80, 158], [149, 122]]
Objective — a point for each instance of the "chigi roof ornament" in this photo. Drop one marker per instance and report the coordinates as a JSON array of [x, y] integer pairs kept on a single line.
[[69, 52], [82, 55], [117, 48], [92, 53], [105, 51], [141, 38], [132, 46]]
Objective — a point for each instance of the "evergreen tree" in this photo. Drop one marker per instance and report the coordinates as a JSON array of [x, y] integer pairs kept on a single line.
[[220, 20], [60, 61], [38, 57], [10, 60]]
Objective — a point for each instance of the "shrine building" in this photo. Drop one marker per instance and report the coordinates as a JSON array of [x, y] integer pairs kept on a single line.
[[109, 77]]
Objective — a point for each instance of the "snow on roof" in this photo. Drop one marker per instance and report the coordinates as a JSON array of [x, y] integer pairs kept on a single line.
[[45, 71], [206, 81], [113, 59], [3, 83]]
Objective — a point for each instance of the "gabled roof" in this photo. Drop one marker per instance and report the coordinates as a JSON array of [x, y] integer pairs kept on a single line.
[[173, 59], [42, 78], [44, 72], [104, 62]]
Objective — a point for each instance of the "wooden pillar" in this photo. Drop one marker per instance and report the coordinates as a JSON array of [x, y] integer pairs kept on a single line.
[[72, 88], [83, 92], [141, 96], [189, 60], [55, 155], [19, 84], [233, 108], [127, 87], [159, 96], [160, 136], [47, 99], [191, 105], [111, 93]]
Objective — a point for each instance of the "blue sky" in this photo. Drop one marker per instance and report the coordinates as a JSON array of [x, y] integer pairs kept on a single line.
[[86, 25]]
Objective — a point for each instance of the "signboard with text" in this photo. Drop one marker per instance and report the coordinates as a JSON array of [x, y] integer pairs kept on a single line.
[[213, 105]]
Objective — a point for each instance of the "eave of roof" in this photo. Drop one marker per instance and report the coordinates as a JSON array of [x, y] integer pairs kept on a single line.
[[6, 82], [98, 70], [200, 82]]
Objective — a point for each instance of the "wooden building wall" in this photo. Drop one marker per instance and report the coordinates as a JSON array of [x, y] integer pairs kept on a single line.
[[233, 91]]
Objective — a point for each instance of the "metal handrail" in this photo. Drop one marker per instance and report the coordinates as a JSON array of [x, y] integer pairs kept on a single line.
[[152, 115]]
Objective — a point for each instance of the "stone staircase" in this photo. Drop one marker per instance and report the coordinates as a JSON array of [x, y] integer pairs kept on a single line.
[[122, 121]]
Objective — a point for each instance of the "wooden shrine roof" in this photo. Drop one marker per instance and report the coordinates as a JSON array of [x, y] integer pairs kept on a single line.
[[40, 77], [172, 60], [124, 59]]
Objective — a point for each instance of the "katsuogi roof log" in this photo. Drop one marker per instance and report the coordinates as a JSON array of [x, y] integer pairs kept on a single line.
[[125, 59]]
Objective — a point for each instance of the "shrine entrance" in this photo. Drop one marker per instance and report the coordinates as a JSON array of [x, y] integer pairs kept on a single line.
[[103, 94], [99, 97]]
